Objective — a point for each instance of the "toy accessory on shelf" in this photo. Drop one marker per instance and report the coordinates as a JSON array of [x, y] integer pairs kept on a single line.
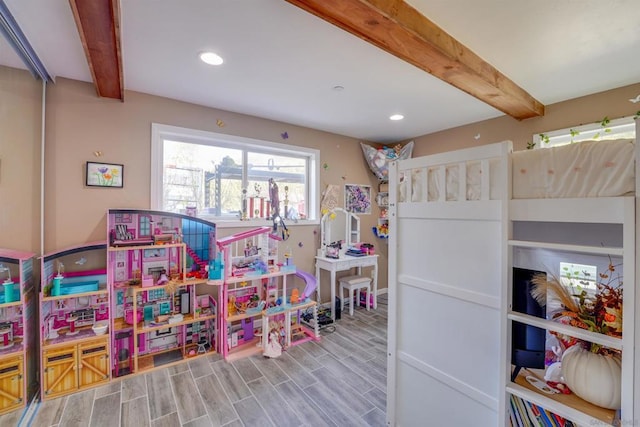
[[6, 335], [7, 285]]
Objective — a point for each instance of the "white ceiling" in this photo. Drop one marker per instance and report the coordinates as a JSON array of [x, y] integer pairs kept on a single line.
[[282, 63]]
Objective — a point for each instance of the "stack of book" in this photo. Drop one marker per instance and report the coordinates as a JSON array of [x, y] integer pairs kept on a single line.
[[523, 413]]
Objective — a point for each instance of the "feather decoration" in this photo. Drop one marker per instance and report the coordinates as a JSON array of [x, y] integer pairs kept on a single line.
[[543, 286]]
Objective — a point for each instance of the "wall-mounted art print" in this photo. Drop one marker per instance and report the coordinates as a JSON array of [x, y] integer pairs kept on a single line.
[[104, 175], [357, 198]]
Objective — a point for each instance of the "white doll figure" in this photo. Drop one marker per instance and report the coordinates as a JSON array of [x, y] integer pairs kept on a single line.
[[273, 347]]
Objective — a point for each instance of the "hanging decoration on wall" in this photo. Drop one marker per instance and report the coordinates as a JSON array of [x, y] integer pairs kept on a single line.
[[284, 135], [300, 244], [330, 198], [357, 198], [220, 123], [104, 175], [325, 166], [97, 153], [379, 158], [635, 100], [477, 137]]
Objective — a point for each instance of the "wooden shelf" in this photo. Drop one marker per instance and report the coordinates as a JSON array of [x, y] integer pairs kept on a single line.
[[188, 319], [146, 364], [179, 283], [11, 304], [16, 349], [119, 324], [84, 335], [566, 405]]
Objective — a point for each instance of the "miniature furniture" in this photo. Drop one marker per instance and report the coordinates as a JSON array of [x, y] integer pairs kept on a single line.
[[354, 284], [73, 299], [254, 288], [461, 223], [18, 355], [163, 312]]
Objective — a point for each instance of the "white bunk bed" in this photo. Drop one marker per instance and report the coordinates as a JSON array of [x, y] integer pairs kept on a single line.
[[459, 222]]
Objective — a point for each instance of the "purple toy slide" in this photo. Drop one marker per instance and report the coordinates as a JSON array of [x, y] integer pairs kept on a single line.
[[310, 280]]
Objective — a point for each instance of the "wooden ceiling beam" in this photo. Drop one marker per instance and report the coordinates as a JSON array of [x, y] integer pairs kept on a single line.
[[98, 23], [401, 30]]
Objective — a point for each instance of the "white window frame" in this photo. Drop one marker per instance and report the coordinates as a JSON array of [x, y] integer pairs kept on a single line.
[[615, 129], [162, 132]]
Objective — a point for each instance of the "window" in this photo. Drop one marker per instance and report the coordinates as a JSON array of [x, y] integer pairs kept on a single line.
[[623, 128], [579, 277], [144, 225], [227, 177]]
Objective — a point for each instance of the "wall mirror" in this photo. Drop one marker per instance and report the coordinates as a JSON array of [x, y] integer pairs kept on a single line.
[[338, 225]]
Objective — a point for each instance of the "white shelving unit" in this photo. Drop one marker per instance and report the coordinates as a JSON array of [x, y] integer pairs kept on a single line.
[[539, 241]]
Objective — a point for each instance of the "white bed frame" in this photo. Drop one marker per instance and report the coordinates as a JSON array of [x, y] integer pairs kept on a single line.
[[449, 291]]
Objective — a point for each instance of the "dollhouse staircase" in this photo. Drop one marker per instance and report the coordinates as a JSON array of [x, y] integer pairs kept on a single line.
[[194, 256]]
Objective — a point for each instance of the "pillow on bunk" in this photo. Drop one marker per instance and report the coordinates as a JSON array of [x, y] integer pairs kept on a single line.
[[378, 159], [584, 169]]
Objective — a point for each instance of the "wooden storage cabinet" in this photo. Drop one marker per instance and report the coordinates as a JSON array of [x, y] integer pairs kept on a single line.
[[75, 367], [11, 383], [93, 361], [60, 366]]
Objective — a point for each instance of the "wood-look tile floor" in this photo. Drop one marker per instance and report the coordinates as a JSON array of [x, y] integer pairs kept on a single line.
[[339, 381]]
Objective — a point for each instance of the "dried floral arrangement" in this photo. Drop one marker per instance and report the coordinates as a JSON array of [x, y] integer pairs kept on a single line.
[[597, 312]]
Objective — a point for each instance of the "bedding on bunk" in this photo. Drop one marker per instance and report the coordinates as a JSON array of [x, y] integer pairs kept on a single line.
[[585, 169]]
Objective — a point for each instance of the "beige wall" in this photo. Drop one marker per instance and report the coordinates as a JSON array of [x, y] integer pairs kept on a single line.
[[20, 140], [79, 123], [588, 109]]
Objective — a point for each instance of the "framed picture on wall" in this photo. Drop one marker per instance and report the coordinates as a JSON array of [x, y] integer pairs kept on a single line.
[[357, 198], [108, 175]]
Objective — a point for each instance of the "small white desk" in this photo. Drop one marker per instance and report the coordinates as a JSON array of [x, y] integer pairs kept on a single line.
[[346, 263]]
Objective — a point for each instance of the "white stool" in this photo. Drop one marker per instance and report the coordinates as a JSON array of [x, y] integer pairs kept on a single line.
[[354, 283]]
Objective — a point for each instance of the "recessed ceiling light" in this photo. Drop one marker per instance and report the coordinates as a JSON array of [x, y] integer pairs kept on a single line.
[[396, 117], [211, 58]]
